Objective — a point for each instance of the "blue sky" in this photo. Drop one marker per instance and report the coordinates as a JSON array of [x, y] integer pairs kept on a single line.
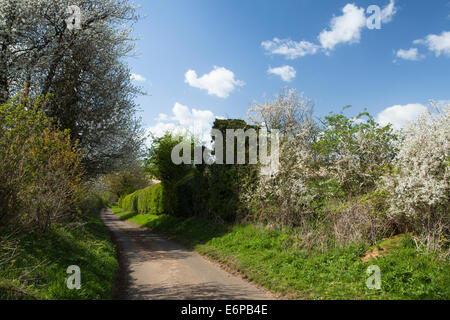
[[205, 58]]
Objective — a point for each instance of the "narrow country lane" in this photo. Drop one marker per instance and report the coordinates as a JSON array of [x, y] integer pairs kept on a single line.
[[155, 268]]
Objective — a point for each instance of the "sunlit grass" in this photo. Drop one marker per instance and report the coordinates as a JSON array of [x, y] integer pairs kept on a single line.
[[270, 258], [35, 267]]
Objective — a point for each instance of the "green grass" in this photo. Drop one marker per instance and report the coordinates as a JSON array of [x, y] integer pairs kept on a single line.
[[269, 257], [36, 268]]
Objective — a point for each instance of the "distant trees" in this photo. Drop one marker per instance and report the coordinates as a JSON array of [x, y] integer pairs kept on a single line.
[[82, 69], [127, 181]]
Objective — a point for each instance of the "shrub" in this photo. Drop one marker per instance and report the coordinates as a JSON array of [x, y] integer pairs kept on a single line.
[[225, 182], [355, 152], [356, 222], [285, 197], [419, 187], [343, 159], [40, 172], [160, 165], [91, 204], [148, 200]]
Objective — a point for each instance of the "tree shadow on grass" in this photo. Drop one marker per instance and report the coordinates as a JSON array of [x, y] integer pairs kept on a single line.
[[188, 231], [125, 215], [47, 257]]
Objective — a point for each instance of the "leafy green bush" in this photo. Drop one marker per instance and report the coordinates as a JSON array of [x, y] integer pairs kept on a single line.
[[92, 203], [148, 200], [40, 173], [225, 182], [355, 152], [160, 165]]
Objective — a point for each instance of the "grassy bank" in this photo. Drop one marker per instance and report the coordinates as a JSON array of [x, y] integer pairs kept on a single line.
[[270, 258], [34, 267]]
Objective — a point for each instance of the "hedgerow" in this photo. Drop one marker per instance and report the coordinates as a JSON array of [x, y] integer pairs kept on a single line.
[[341, 180], [148, 200]]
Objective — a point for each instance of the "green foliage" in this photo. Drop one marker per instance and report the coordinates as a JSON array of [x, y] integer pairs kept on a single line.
[[148, 200], [159, 161], [227, 182], [185, 191], [160, 165], [127, 181], [40, 173], [91, 203], [201, 190], [356, 152], [33, 267]]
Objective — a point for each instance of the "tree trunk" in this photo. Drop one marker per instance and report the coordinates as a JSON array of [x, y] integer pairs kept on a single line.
[[4, 88]]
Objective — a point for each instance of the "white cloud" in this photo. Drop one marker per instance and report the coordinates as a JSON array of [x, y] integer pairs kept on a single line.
[[182, 120], [411, 54], [439, 44], [345, 28], [137, 77], [399, 115], [159, 129], [287, 73], [388, 12], [162, 117], [219, 82], [289, 48]]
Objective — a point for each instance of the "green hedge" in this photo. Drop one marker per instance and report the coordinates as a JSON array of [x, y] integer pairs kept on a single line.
[[148, 200]]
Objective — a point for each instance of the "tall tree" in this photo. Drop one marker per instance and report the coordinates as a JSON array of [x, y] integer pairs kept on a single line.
[[81, 68]]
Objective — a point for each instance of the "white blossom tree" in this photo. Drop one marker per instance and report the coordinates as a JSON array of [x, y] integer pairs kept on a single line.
[[285, 198], [82, 68], [419, 190]]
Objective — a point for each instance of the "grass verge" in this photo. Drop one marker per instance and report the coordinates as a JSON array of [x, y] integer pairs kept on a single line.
[[270, 258], [33, 267]]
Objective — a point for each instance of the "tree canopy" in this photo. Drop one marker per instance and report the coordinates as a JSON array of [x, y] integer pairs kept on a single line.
[[82, 70]]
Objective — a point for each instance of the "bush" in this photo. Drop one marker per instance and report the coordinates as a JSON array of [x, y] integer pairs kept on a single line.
[[419, 187], [355, 152], [160, 165], [92, 203], [148, 200], [324, 174], [40, 174], [285, 198], [225, 182]]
